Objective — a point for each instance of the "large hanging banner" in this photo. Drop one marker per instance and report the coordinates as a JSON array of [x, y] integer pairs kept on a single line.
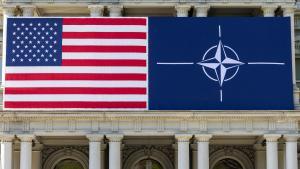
[[148, 64]]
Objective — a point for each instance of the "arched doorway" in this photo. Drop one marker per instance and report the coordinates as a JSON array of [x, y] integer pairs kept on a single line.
[[68, 164], [148, 164], [227, 163]]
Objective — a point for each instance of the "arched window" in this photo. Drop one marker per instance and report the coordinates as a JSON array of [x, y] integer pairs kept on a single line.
[[228, 163], [68, 164], [148, 164]]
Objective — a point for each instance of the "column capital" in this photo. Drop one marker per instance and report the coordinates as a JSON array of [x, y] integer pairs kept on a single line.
[[182, 10], [7, 137], [291, 137], [9, 10], [183, 137], [28, 10], [203, 137], [114, 137], [26, 137], [269, 10], [288, 10], [115, 10], [201, 10], [272, 137], [96, 10], [95, 137]]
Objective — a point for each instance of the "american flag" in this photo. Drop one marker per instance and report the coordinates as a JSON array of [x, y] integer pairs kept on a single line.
[[76, 63]]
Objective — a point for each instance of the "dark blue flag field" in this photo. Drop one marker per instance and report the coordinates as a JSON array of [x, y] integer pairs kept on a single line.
[[155, 63]]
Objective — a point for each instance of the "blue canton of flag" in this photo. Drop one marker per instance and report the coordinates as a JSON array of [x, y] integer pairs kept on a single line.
[[33, 42]]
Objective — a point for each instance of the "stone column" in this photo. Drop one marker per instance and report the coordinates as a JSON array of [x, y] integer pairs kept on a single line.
[[114, 151], [28, 10], [115, 10], [269, 11], [201, 10], [182, 10], [272, 150], [26, 151], [203, 150], [289, 12], [260, 156], [7, 12], [95, 151], [291, 155], [6, 151], [183, 141], [96, 10]]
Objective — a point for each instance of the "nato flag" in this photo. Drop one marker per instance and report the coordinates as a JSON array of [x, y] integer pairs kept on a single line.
[[220, 64]]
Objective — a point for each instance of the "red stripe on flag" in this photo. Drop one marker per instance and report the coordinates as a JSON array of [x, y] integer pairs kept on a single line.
[[65, 104], [104, 35], [74, 76], [104, 21], [103, 62], [74, 90], [84, 49]]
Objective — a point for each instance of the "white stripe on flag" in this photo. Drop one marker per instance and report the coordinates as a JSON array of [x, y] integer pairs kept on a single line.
[[104, 42], [74, 97], [76, 69], [74, 83], [74, 55], [104, 28]]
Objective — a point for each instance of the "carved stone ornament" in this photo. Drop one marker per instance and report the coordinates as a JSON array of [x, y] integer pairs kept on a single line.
[[114, 137], [26, 137], [7, 138], [272, 137], [95, 137], [203, 137]]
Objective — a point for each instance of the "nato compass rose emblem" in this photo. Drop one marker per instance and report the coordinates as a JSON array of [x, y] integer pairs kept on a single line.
[[220, 63], [220, 58]]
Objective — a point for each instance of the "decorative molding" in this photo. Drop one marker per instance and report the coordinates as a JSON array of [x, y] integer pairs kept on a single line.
[[94, 125], [138, 124], [183, 125], [160, 125], [269, 10], [202, 125], [49, 125], [9, 10], [72, 125], [26, 126]]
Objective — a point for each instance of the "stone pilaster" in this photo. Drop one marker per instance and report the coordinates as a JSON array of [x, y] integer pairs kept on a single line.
[[95, 151], [203, 150]]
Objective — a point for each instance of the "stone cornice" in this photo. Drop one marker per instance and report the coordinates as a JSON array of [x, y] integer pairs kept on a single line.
[[188, 115]]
